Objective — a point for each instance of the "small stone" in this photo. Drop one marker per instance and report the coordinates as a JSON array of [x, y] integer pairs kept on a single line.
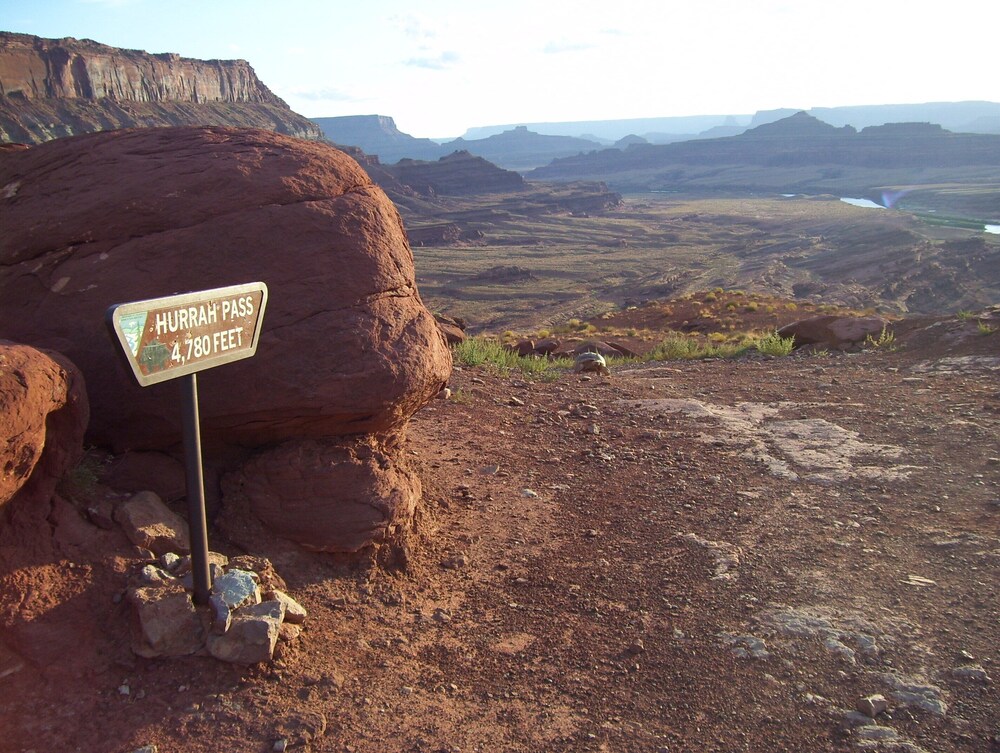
[[530, 493], [170, 560], [222, 615], [594, 429], [295, 613], [875, 733], [288, 632], [167, 623], [591, 533], [237, 588], [872, 705], [444, 393], [150, 524], [441, 615], [515, 401], [151, 575], [146, 749], [280, 745], [249, 640], [101, 514], [636, 648], [455, 563], [972, 672]]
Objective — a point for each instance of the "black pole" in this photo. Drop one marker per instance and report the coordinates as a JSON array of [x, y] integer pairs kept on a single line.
[[195, 489]]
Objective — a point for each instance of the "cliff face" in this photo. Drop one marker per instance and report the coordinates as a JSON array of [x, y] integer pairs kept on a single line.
[[60, 87]]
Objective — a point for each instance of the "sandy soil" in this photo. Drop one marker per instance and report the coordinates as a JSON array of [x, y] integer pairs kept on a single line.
[[685, 556]]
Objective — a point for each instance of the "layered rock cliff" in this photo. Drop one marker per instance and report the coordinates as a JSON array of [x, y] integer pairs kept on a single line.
[[60, 87]]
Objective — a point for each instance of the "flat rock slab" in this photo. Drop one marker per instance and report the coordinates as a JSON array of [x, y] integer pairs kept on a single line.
[[152, 525], [167, 623]]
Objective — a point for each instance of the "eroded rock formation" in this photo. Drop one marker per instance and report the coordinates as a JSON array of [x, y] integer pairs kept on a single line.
[[347, 346], [43, 415], [60, 87]]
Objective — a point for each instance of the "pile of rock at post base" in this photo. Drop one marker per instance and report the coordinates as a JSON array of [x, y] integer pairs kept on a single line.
[[247, 614]]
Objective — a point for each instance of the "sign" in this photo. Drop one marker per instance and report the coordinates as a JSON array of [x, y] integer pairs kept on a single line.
[[166, 338]]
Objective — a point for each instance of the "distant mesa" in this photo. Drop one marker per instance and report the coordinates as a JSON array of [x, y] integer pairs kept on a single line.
[[378, 135], [50, 88], [798, 153], [458, 174], [515, 149]]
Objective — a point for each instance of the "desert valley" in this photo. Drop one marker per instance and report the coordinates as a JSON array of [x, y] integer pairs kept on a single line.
[[672, 435]]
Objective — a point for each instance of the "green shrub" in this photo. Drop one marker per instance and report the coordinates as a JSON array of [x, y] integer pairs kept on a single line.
[[676, 347], [480, 351], [774, 344], [885, 341]]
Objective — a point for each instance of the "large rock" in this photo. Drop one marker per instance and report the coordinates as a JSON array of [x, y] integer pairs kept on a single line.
[[330, 495], [834, 331], [347, 345], [43, 415]]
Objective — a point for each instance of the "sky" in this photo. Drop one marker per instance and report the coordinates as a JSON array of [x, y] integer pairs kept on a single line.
[[439, 67]]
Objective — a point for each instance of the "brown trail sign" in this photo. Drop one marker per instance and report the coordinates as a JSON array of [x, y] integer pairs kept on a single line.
[[177, 336], [165, 338]]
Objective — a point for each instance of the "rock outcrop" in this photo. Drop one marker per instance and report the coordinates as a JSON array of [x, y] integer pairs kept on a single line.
[[51, 88], [43, 415], [347, 346], [458, 174], [834, 331]]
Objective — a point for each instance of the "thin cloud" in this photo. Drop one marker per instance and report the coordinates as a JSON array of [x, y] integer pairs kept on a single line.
[[414, 27], [437, 63], [328, 95], [560, 46]]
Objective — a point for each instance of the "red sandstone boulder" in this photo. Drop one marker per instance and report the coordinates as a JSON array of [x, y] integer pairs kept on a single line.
[[347, 346], [834, 331], [452, 329], [327, 495], [608, 350], [547, 346], [43, 415]]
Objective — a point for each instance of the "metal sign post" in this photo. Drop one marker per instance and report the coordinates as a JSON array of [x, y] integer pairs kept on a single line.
[[178, 336]]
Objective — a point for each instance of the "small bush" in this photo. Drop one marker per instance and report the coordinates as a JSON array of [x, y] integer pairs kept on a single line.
[[984, 328], [676, 347], [479, 351], [751, 307], [885, 341], [774, 344], [964, 316]]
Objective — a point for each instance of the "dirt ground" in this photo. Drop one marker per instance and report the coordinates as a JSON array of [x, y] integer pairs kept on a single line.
[[684, 556]]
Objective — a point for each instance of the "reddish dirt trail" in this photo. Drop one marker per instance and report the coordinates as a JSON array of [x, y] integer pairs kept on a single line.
[[696, 556]]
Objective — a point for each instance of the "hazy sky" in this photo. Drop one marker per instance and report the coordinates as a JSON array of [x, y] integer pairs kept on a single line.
[[441, 66]]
